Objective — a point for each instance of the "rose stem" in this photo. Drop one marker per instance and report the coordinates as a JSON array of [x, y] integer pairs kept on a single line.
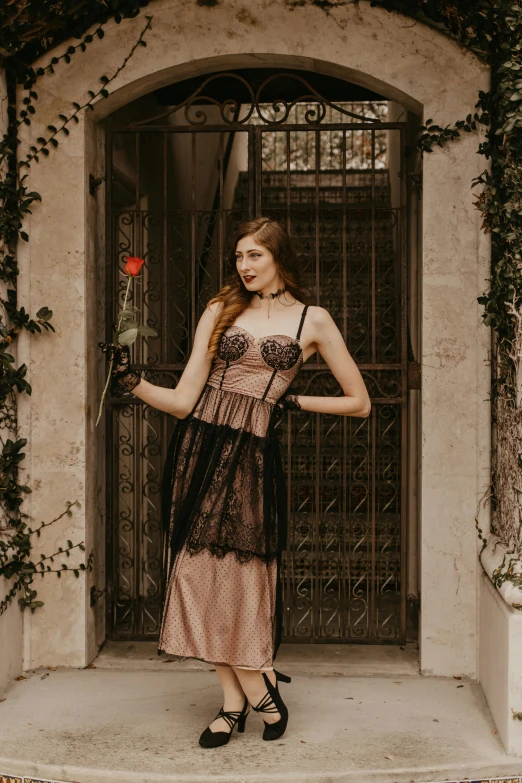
[[129, 278]]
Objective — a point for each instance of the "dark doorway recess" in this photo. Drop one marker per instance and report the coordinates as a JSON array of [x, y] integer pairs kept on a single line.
[[318, 154]]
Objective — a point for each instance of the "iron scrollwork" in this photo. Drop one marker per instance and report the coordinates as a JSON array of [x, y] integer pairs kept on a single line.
[[229, 108]]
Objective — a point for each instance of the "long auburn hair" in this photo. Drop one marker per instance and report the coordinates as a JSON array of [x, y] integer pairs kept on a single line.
[[234, 295]]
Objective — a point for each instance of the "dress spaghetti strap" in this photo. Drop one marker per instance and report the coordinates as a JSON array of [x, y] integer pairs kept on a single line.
[[298, 335]]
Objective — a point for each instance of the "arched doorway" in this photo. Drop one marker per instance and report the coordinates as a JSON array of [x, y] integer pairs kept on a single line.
[[187, 164]]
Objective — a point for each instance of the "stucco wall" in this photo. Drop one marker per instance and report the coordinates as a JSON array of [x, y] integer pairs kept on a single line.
[[11, 638], [409, 63], [500, 670]]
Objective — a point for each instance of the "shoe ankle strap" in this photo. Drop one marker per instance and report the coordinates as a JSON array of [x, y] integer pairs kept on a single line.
[[231, 717], [266, 704]]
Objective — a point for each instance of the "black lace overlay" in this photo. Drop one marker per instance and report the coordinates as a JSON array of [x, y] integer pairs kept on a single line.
[[232, 346], [224, 489], [279, 354]]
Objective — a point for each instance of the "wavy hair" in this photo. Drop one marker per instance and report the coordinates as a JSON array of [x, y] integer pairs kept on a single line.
[[234, 296]]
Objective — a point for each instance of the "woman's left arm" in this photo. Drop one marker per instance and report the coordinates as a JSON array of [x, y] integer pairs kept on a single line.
[[324, 336]]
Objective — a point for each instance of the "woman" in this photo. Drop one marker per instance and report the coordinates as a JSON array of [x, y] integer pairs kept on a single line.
[[224, 497]]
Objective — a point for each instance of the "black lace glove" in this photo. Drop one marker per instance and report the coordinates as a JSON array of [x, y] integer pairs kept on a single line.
[[123, 378], [288, 402]]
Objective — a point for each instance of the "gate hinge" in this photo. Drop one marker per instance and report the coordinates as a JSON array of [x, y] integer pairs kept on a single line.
[[414, 375], [95, 594], [414, 368], [94, 183]]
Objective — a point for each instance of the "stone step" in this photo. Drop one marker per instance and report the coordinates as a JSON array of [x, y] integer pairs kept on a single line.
[[358, 714]]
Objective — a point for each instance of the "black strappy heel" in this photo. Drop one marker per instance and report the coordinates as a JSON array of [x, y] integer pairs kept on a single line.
[[272, 702], [214, 739]]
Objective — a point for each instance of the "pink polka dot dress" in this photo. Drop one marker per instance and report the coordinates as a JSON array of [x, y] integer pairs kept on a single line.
[[224, 508]]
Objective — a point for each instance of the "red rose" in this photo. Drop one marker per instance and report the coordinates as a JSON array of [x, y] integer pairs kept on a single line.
[[133, 266]]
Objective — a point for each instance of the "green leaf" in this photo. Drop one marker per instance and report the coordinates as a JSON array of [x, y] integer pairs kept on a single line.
[[147, 330], [128, 336]]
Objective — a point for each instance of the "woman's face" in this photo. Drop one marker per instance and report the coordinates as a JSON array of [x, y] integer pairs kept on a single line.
[[256, 266]]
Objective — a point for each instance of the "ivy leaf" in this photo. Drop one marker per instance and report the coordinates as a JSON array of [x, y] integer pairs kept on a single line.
[[44, 314]]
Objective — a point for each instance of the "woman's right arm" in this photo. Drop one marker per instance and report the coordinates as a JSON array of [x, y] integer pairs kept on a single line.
[[181, 400]]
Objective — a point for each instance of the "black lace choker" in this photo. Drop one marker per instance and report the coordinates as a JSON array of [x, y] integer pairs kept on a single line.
[[271, 296]]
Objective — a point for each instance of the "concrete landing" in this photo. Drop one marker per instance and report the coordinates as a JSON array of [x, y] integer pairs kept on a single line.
[[137, 726]]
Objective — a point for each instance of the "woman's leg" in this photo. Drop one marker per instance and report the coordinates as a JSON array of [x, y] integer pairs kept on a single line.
[[233, 696], [253, 685]]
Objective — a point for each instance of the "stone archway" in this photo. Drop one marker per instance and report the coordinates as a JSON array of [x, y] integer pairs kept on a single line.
[[408, 63]]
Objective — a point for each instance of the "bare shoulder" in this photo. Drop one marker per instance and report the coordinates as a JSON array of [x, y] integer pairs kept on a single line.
[[212, 311], [215, 308], [208, 319], [319, 317]]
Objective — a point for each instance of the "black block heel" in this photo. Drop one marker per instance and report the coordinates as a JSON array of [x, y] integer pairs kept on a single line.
[[272, 702], [214, 739]]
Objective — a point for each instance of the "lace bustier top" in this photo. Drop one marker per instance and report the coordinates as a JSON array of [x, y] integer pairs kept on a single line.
[[263, 367]]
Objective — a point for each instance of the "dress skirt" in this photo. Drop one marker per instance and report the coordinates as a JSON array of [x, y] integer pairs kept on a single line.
[[220, 610]]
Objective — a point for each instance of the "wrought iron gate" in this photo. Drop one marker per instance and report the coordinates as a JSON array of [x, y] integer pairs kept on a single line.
[[179, 184]]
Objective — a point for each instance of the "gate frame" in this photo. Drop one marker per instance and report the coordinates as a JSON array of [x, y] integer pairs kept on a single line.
[[255, 132]]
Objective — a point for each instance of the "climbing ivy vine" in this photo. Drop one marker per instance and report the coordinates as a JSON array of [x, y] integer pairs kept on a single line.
[[27, 30], [491, 29]]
